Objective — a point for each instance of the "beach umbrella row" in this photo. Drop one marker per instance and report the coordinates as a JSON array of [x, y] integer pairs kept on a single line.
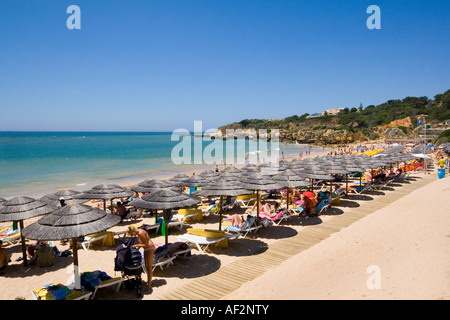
[[21, 208], [71, 222]]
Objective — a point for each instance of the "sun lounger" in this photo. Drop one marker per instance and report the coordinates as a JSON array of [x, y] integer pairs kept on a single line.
[[88, 240], [117, 281], [358, 189], [133, 215], [202, 243], [183, 253], [323, 208], [57, 291], [151, 227], [11, 238], [95, 279], [277, 219], [184, 217], [340, 192], [246, 201], [176, 224], [248, 227], [162, 263]]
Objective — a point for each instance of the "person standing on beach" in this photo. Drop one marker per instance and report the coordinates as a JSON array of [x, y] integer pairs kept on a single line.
[[149, 249]]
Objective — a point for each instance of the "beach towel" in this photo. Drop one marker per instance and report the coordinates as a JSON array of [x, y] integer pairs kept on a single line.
[[90, 279], [274, 218], [54, 291]]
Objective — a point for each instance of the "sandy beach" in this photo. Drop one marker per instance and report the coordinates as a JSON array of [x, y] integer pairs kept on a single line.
[[388, 244]]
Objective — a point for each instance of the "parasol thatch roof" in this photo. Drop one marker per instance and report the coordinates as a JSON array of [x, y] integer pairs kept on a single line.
[[164, 199], [258, 181], [21, 208], [68, 195], [69, 222], [106, 192], [421, 149], [221, 188], [194, 181], [150, 185], [231, 169], [315, 174], [290, 179]]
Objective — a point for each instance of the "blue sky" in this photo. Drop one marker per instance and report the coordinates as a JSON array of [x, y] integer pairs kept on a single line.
[[146, 65]]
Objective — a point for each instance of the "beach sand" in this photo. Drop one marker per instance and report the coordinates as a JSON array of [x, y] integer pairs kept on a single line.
[[402, 232]]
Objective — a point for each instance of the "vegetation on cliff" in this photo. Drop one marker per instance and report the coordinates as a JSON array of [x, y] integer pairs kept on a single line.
[[366, 121]]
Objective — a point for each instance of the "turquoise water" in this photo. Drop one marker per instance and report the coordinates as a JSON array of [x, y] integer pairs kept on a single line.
[[37, 163]]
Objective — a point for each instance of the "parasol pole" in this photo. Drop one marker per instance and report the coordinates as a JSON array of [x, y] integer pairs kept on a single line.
[[220, 213], [257, 204], [287, 198], [166, 225], [24, 249], [346, 185], [76, 270]]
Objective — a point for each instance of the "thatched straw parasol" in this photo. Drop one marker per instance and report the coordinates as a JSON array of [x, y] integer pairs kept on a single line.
[[19, 209], [71, 222], [290, 179], [231, 169], [336, 168], [166, 200], [70, 196], [226, 176], [221, 188], [423, 148], [150, 185], [178, 177], [256, 181], [194, 181], [315, 174], [105, 192]]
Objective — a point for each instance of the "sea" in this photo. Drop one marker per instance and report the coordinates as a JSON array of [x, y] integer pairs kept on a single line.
[[38, 163]]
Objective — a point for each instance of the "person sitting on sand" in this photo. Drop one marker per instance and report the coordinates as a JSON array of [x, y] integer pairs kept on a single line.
[[4, 258], [43, 255], [149, 249]]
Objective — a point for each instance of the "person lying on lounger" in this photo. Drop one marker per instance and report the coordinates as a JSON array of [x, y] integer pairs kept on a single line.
[[264, 207], [238, 220]]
